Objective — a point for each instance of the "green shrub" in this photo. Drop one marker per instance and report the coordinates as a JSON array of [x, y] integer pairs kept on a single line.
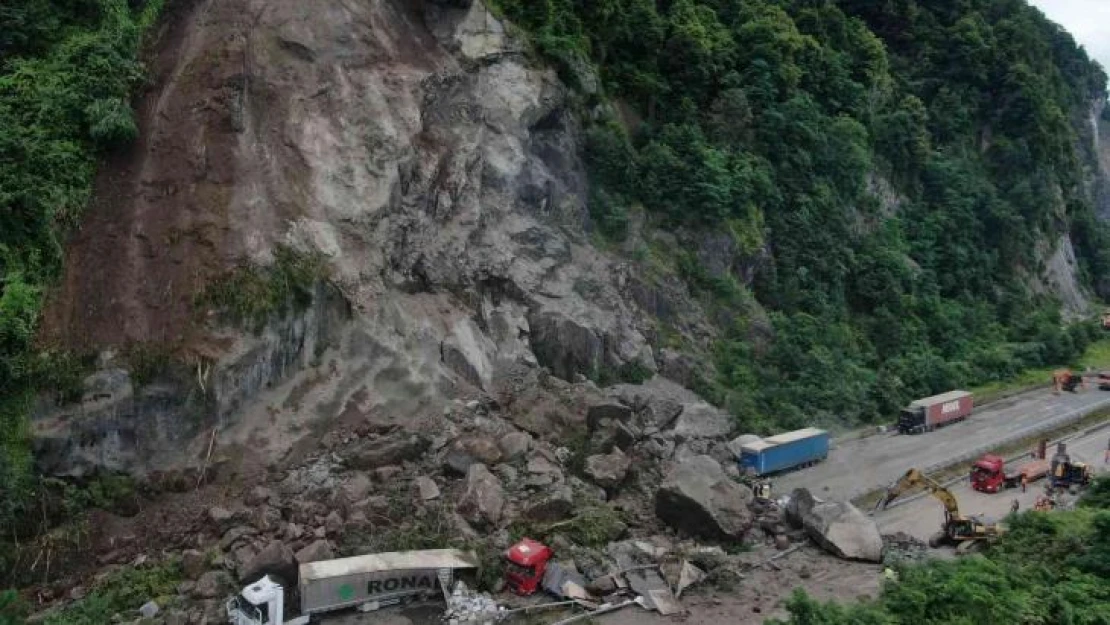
[[121, 593], [111, 122]]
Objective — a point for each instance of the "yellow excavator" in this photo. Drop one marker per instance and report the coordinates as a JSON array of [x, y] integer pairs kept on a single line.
[[966, 533]]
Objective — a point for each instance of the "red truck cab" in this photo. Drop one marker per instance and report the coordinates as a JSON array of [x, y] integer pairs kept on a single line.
[[988, 474], [525, 564]]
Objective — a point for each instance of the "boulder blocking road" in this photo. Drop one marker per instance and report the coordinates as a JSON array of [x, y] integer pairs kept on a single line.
[[856, 467]]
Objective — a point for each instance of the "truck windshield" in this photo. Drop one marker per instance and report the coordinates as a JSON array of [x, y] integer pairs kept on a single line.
[[259, 614], [519, 571], [978, 471]]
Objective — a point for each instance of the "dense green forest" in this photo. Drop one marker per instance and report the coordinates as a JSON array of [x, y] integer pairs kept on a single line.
[[67, 71], [1050, 568], [768, 118]]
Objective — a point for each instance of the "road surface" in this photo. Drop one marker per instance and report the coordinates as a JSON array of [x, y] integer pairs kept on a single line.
[[859, 466], [922, 517]]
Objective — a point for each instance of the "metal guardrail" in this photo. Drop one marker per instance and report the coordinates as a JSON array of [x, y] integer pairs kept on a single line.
[[1044, 426]]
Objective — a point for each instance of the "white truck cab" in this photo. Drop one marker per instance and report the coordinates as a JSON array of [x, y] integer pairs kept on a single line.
[[261, 603]]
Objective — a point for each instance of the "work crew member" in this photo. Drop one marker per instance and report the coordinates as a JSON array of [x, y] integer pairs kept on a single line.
[[1106, 456], [1014, 507], [1024, 482]]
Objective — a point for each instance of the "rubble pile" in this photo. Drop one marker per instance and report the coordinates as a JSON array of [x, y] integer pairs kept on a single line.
[[901, 548], [654, 472], [469, 607]]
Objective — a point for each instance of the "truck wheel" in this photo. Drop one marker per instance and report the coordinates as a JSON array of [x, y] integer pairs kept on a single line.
[[937, 540]]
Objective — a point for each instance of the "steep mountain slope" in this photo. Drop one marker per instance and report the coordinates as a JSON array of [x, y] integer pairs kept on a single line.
[[807, 211], [407, 153]]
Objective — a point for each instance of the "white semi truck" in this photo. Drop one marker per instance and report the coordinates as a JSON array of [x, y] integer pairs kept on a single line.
[[367, 582]]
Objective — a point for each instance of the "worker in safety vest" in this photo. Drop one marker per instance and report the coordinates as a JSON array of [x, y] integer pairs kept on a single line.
[[890, 574]]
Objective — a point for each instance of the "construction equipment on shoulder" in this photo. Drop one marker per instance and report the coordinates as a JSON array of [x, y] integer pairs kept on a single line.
[[1065, 474], [1043, 504], [966, 533], [1066, 380]]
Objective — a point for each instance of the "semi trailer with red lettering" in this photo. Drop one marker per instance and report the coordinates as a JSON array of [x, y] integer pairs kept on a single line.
[[925, 415]]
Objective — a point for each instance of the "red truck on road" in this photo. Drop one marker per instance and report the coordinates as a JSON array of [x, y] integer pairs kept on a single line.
[[989, 474], [925, 415]]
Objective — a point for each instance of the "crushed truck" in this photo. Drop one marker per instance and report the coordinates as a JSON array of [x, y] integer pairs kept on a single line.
[[790, 450], [525, 565], [926, 415], [990, 475], [367, 582]]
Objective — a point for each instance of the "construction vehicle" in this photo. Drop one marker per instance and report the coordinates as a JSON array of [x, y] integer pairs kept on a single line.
[[367, 582], [525, 565], [1104, 381], [989, 474], [966, 533], [1065, 474], [926, 415], [1066, 380]]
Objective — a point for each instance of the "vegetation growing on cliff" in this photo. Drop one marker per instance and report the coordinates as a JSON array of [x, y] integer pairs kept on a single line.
[[770, 119], [67, 70]]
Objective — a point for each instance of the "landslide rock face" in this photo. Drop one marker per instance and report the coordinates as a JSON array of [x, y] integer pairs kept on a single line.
[[699, 499], [414, 148]]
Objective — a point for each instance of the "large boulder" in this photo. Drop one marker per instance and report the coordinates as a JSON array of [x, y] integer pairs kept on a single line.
[[565, 346], [611, 410], [842, 530], [483, 499], [482, 449], [357, 487], [387, 451], [553, 504], [608, 470], [314, 552], [698, 498], [701, 420], [514, 445], [799, 505], [276, 559], [212, 584]]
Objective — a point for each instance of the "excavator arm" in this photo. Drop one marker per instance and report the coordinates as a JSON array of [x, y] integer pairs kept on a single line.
[[914, 478]]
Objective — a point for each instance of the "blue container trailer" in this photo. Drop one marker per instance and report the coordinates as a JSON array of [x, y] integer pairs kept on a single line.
[[784, 451]]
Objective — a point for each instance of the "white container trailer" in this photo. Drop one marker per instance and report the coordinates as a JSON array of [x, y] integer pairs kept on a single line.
[[367, 582]]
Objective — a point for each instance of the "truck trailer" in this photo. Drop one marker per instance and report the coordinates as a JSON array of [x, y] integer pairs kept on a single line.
[[925, 415], [367, 582], [763, 456], [990, 475]]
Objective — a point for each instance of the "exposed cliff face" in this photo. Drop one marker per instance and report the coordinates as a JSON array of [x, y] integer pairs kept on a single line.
[[411, 145]]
